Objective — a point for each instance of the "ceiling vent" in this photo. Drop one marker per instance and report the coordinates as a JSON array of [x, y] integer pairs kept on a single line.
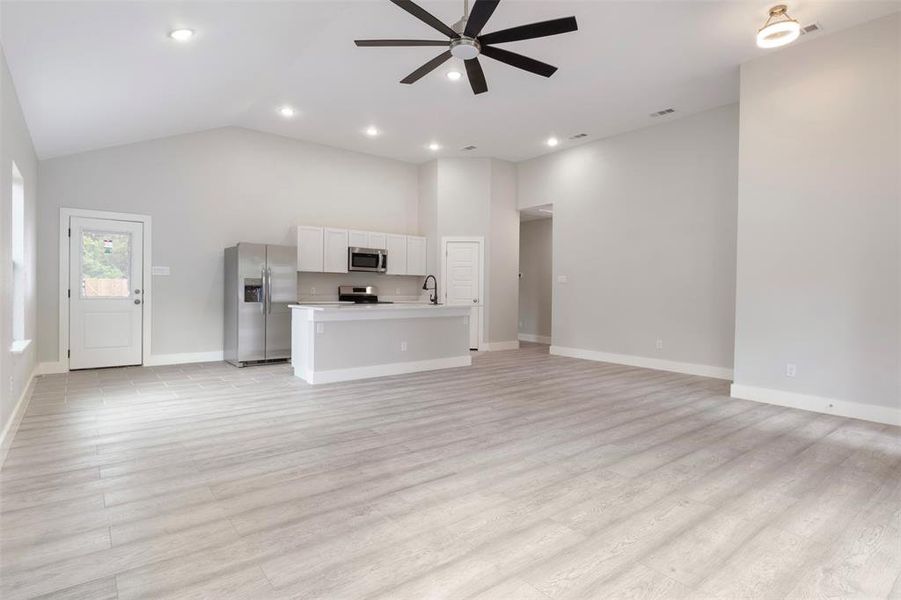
[[664, 112], [468, 148], [578, 136], [812, 28]]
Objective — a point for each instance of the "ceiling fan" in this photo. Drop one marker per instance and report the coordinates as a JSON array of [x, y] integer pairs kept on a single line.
[[467, 42]]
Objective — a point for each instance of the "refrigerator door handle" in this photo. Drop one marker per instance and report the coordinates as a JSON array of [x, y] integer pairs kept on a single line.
[[269, 290]]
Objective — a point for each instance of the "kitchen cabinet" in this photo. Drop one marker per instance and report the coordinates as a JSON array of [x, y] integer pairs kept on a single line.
[[396, 245], [310, 249], [335, 250], [416, 255], [366, 239]]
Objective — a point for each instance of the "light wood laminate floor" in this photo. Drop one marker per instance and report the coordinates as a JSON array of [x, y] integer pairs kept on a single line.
[[523, 477]]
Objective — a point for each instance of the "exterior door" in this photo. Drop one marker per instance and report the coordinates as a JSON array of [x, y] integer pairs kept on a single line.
[[106, 285], [463, 281], [282, 290]]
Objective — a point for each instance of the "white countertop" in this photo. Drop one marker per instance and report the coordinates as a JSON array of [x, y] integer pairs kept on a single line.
[[348, 311], [344, 306]]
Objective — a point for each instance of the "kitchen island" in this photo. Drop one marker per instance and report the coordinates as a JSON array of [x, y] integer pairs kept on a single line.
[[344, 341]]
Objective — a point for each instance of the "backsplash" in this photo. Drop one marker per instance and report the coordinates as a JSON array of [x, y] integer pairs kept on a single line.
[[323, 287]]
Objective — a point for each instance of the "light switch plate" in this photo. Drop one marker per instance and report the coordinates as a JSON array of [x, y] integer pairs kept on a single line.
[[160, 270], [562, 279]]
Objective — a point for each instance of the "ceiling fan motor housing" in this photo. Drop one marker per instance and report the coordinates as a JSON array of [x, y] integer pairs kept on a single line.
[[465, 48]]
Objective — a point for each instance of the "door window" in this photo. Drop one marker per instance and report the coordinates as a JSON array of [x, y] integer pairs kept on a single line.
[[105, 264]]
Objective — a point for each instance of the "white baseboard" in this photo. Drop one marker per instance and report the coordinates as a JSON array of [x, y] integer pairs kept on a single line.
[[335, 375], [9, 430], [157, 360], [820, 404], [51, 368], [496, 346], [645, 362], [531, 337]]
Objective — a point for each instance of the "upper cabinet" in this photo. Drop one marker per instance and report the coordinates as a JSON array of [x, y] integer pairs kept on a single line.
[[397, 254], [335, 259], [324, 250], [416, 249], [309, 249], [366, 239]]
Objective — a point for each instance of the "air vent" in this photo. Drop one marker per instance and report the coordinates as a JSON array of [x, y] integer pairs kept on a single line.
[[578, 136], [664, 112], [468, 148], [813, 27]]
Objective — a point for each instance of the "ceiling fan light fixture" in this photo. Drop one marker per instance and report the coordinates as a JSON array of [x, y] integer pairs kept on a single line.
[[181, 35], [465, 48], [779, 29]]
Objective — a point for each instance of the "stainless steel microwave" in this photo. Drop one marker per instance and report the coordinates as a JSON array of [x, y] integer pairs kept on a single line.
[[367, 259]]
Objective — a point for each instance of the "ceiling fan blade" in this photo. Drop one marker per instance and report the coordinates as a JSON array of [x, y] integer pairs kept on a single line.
[[380, 43], [476, 76], [519, 61], [478, 16], [426, 68], [426, 17], [533, 30]]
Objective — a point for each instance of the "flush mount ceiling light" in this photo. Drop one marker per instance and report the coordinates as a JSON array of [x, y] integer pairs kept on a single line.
[[454, 75], [372, 131], [552, 141], [181, 35], [287, 112], [780, 29], [434, 146]]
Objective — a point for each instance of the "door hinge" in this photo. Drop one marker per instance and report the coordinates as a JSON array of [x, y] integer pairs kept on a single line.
[[70, 232], [68, 354], [69, 293]]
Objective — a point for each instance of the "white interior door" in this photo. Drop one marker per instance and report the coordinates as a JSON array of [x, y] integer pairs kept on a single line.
[[463, 282], [106, 285]]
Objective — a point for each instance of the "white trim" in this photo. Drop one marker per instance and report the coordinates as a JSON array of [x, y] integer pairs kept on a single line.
[[12, 426], [51, 368], [531, 337], [156, 360], [65, 214], [442, 263], [335, 375], [645, 362], [498, 346], [821, 404]]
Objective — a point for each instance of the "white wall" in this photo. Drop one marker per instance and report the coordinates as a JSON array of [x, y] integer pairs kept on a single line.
[[818, 224], [536, 283], [206, 191], [477, 197], [646, 225], [15, 146]]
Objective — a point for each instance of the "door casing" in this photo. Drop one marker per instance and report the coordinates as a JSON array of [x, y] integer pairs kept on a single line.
[[65, 214], [482, 291]]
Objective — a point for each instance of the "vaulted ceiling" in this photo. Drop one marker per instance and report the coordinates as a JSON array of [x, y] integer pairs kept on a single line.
[[96, 74]]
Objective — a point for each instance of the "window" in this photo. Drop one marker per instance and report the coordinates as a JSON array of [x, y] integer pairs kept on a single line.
[[20, 269], [105, 264]]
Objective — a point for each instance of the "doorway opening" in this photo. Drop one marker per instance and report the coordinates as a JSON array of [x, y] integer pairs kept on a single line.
[[536, 274]]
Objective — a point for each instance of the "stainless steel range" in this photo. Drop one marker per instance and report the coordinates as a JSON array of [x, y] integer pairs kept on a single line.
[[360, 294]]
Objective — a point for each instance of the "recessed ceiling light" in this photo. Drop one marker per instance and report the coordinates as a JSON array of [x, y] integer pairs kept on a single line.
[[454, 75], [779, 29], [181, 35], [552, 141], [372, 131], [287, 112], [434, 146]]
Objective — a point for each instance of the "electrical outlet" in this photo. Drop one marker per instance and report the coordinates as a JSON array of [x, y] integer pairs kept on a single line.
[[313, 291], [562, 279], [403, 346], [320, 327], [12, 384], [520, 324], [791, 369], [659, 344], [397, 291]]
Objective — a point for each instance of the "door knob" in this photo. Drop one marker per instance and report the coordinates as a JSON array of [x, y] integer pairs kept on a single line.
[[475, 300], [137, 301], [137, 291]]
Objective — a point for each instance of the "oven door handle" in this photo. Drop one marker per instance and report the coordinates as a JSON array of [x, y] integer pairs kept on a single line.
[[383, 261]]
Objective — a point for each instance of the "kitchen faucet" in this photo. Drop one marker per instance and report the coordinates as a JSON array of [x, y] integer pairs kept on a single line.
[[433, 297]]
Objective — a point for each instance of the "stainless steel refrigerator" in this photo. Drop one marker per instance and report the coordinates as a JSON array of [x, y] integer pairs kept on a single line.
[[260, 283]]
